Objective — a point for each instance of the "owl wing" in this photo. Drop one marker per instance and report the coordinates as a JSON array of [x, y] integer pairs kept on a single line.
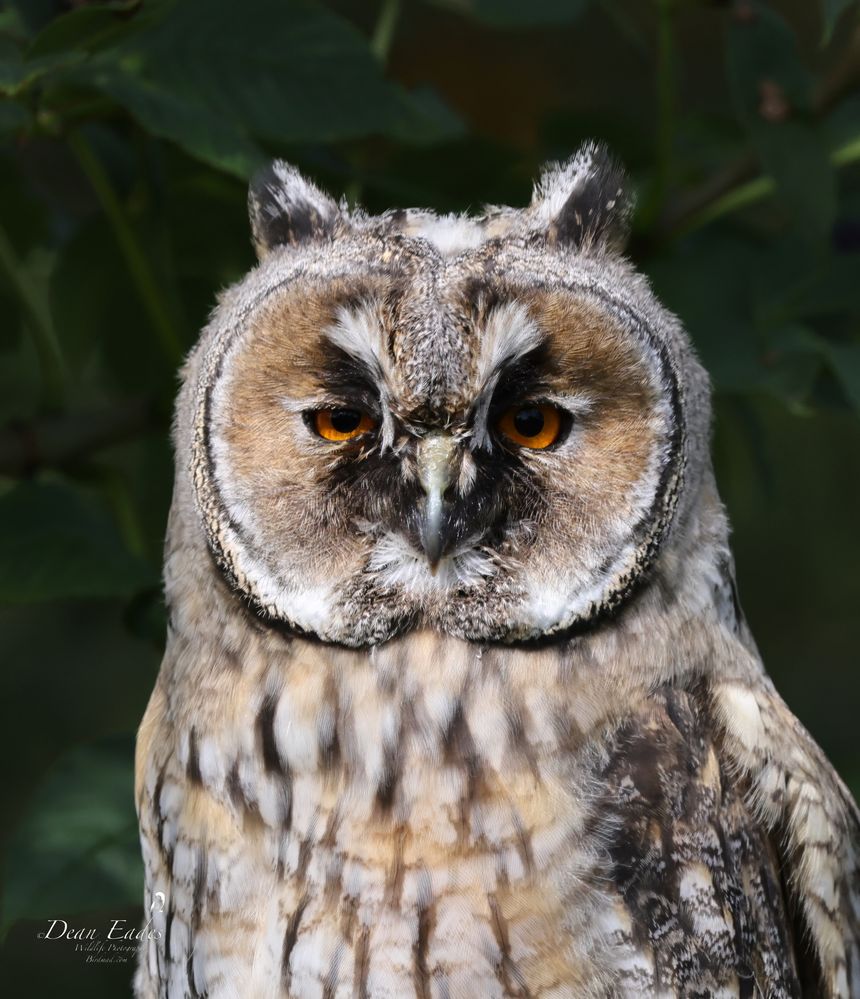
[[702, 910], [718, 895], [813, 822]]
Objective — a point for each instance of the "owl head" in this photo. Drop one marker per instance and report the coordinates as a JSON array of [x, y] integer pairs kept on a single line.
[[479, 425]]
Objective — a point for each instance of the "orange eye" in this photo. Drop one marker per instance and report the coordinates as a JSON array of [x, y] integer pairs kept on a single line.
[[341, 424], [534, 425]]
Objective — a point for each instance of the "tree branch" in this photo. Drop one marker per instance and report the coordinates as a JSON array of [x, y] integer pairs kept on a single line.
[[59, 440]]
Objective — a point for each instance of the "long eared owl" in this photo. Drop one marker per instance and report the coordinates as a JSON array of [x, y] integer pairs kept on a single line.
[[458, 700]]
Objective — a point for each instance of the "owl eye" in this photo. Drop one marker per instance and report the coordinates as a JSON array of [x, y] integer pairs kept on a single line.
[[534, 425], [342, 424]]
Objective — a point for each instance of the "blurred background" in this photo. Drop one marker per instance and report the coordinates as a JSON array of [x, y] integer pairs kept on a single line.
[[129, 130]]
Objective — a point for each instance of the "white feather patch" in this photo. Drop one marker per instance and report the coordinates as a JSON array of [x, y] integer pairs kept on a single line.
[[394, 562], [449, 234], [509, 333], [359, 333]]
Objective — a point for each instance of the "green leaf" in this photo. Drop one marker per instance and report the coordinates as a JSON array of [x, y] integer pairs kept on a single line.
[[214, 75], [77, 847], [53, 545], [84, 28], [517, 13], [833, 10], [218, 78], [426, 120], [191, 125]]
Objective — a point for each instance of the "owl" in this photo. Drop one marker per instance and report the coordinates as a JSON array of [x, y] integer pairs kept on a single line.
[[458, 701]]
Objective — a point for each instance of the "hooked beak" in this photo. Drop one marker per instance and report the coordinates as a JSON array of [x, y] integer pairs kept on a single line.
[[435, 454]]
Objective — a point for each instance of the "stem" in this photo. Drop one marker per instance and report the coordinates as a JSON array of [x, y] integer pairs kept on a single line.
[[731, 201], [141, 272], [122, 503], [758, 190], [383, 33], [38, 321]]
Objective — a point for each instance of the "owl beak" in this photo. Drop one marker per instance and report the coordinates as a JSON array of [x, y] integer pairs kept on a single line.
[[435, 458]]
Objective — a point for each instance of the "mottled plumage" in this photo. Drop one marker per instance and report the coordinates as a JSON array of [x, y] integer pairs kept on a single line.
[[446, 710]]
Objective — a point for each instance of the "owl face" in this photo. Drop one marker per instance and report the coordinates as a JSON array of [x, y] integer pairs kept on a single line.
[[470, 425]]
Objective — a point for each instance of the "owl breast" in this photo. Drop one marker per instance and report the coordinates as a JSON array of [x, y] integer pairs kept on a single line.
[[460, 833]]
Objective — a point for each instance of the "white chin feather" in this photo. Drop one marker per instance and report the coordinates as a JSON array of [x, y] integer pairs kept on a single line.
[[394, 562]]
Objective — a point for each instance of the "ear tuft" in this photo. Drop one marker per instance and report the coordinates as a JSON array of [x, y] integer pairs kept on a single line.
[[584, 202], [286, 209]]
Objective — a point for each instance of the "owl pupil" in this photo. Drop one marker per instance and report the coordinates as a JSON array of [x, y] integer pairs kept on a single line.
[[345, 421], [529, 421]]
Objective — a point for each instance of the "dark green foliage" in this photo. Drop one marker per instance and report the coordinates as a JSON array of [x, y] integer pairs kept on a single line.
[[129, 130], [773, 93], [78, 848]]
